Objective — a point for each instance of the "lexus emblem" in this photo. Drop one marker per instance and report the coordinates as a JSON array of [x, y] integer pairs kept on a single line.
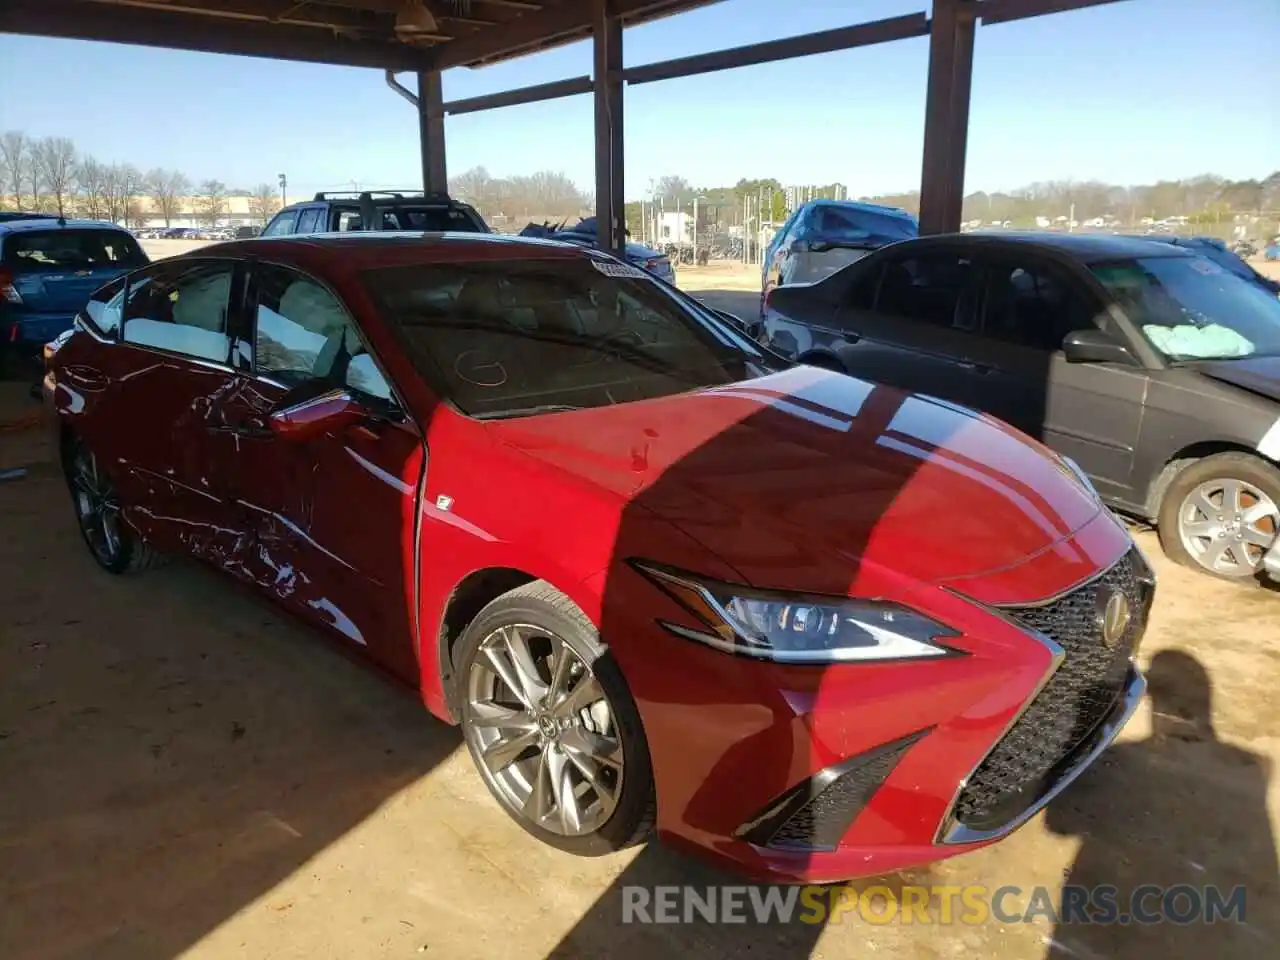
[[1113, 616]]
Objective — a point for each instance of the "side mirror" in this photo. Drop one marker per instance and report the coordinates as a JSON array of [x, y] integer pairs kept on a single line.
[[302, 418], [1094, 346]]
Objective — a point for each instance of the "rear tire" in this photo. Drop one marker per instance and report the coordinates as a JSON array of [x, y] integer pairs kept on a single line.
[[551, 725], [1221, 514], [113, 544]]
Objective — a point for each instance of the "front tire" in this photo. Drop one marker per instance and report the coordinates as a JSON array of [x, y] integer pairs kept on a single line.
[[551, 725], [113, 544], [1221, 514]]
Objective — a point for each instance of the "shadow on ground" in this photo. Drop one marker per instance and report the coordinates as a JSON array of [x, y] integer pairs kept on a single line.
[[170, 747]]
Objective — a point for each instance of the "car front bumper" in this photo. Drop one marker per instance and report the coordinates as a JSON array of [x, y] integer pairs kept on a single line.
[[817, 775]]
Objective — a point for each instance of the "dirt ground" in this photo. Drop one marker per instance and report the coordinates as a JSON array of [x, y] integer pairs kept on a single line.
[[184, 771]]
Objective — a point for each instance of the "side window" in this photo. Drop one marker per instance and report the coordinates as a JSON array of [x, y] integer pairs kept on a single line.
[[305, 333], [310, 220], [933, 288], [1032, 306], [105, 309], [862, 292], [181, 307], [348, 220], [282, 224]]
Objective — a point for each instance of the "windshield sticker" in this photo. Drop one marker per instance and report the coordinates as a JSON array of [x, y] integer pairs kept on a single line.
[[1207, 267], [619, 271]]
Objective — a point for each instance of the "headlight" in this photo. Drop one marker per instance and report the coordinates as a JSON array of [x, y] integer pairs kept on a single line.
[[791, 628]]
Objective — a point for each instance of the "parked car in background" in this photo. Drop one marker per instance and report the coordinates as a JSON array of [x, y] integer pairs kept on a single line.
[[891, 668], [1272, 252], [48, 269], [247, 232], [583, 233], [822, 236], [375, 210], [1217, 251], [1152, 367]]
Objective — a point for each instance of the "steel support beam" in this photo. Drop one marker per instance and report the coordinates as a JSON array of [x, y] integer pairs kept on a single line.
[[787, 48], [435, 177], [610, 215], [1006, 11], [946, 114], [532, 94]]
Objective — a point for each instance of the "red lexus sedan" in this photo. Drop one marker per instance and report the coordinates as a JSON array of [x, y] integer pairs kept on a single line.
[[811, 626]]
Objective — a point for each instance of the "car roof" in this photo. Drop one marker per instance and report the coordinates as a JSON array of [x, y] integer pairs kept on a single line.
[[364, 249], [1084, 247], [862, 207], [52, 223]]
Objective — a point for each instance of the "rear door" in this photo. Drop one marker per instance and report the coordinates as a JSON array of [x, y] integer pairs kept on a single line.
[[1091, 412], [911, 323], [152, 393], [330, 520]]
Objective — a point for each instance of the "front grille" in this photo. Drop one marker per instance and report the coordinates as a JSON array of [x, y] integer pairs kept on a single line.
[[1079, 695]]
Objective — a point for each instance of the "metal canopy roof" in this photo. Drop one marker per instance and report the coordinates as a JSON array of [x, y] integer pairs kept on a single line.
[[360, 33]]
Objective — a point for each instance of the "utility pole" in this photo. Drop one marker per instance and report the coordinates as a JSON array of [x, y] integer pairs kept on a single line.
[[284, 197]]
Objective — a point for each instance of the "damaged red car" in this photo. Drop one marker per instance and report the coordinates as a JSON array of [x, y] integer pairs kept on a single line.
[[807, 625]]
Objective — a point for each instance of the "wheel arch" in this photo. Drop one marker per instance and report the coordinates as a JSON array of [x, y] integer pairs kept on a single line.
[[1185, 456]]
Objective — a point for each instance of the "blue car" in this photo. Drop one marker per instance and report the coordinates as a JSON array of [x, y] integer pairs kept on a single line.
[[48, 269], [823, 236]]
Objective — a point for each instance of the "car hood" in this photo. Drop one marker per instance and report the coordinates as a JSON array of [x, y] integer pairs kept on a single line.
[[1260, 375], [796, 478]]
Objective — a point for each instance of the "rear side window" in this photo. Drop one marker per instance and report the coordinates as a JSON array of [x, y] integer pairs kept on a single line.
[[933, 289], [282, 224], [62, 249], [181, 308], [105, 308], [435, 219], [1032, 306]]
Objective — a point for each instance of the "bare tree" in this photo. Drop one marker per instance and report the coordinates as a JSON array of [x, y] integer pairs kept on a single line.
[[263, 202], [55, 158], [122, 184], [14, 147], [92, 179], [212, 203], [167, 188]]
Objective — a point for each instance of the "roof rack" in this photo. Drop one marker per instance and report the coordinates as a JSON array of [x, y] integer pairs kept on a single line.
[[326, 194]]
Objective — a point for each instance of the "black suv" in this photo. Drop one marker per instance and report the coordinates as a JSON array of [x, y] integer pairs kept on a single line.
[[375, 210]]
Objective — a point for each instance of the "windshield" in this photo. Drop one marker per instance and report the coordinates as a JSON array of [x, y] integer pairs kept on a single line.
[[1191, 308], [72, 250], [510, 338]]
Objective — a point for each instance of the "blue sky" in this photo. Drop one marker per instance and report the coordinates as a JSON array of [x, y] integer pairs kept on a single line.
[[1129, 93]]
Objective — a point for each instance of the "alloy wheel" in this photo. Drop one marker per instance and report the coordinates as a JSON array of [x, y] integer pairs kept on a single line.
[[542, 730], [96, 504], [1227, 525]]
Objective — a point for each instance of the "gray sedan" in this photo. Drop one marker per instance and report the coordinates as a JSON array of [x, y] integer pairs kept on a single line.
[[1152, 368]]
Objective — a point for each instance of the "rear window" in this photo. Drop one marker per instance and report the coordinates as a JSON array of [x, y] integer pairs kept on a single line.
[[72, 250]]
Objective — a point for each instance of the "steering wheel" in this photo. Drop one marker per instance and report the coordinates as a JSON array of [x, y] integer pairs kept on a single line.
[[618, 338]]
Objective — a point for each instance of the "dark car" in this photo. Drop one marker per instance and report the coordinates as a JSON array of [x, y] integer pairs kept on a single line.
[[824, 235], [584, 234], [343, 212], [660, 579], [48, 269], [1153, 368]]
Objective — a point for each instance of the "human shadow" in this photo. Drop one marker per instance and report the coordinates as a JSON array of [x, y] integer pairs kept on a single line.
[[1178, 808]]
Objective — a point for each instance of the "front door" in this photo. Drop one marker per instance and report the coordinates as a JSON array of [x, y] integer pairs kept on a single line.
[[330, 520], [1091, 412]]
